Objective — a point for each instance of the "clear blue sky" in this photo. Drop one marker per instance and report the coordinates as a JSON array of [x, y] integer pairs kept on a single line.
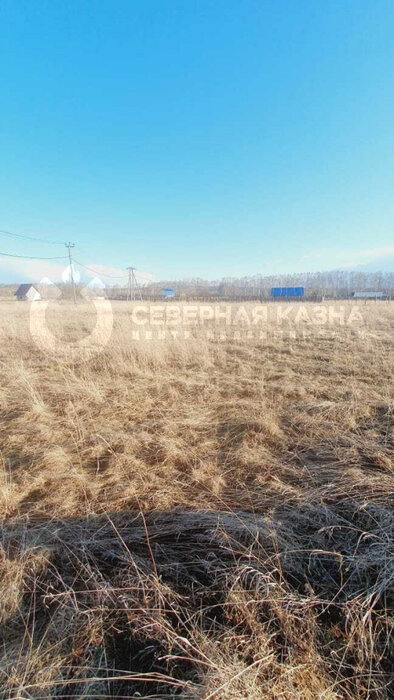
[[199, 138]]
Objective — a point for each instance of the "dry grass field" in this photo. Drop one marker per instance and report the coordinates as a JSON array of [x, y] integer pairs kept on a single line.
[[200, 515]]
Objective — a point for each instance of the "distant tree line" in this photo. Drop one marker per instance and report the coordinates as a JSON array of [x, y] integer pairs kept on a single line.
[[337, 284]]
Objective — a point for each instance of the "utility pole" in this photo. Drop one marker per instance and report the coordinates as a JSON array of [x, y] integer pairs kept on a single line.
[[129, 285], [132, 285], [69, 246]]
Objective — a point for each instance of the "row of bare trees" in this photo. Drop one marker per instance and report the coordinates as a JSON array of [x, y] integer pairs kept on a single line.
[[338, 284]]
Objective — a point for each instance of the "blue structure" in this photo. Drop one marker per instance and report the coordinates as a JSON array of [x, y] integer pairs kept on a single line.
[[168, 292], [287, 292]]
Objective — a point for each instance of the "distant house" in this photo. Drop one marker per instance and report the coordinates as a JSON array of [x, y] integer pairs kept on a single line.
[[27, 292], [287, 292], [369, 295], [167, 293]]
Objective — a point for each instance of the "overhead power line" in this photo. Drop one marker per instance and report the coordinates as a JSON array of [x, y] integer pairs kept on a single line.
[[104, 274], [144, 274], [24, 236], [33, 257]]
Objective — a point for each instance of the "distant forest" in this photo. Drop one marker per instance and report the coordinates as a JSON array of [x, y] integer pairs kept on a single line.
[[335, 284]]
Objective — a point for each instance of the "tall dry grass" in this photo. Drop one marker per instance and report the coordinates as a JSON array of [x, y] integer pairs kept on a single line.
[[200, 517]]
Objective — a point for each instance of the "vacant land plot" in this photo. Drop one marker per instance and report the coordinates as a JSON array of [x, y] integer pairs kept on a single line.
[[202, 510]]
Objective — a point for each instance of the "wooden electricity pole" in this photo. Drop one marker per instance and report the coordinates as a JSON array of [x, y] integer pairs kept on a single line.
[[69, 246]]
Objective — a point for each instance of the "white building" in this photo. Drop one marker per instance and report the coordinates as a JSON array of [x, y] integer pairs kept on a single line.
[[368, 295]]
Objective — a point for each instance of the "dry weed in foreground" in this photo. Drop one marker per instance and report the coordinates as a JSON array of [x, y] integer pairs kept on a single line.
[[198, 518]]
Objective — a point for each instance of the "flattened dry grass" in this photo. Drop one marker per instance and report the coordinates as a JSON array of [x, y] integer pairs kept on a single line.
[[199, 518]]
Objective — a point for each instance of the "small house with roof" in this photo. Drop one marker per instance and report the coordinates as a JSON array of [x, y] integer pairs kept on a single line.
[[27, 292]]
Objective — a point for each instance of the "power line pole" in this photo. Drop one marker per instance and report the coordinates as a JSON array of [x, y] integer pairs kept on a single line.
[[69, 246], [129, 285], [132, 286]]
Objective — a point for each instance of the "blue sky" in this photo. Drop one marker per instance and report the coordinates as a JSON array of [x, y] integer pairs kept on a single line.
[[201, 138]]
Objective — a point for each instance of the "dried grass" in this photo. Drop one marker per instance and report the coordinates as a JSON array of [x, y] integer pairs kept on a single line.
[[198, 518]]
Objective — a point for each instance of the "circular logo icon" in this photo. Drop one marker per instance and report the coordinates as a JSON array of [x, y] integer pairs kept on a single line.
[[78, 350]]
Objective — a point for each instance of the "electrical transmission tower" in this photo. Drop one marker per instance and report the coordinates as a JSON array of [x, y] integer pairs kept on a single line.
[[132, 287], [69, 246]]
